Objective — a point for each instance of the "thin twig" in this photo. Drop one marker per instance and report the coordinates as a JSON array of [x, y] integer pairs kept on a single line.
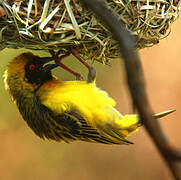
[[135, 79]]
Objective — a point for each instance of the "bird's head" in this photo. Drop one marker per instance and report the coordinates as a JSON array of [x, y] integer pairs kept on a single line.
[[36, 72], [28, 71]]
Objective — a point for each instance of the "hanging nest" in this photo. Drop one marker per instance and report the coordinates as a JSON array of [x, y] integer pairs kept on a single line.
[[61, 24]]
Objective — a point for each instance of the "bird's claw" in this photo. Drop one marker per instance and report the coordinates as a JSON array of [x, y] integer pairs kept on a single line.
[[91, 75], [79, 77]]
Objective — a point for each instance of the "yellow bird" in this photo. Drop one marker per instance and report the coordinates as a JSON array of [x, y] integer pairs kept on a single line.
[[66, 110]]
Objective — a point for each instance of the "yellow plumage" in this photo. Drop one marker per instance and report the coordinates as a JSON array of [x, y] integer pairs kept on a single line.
[[85, 97], [65, 110], [94, 105]]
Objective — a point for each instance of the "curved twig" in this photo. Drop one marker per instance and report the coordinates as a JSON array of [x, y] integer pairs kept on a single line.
[[135, 79]]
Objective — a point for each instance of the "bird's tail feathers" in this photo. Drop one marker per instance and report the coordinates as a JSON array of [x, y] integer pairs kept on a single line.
[[129, 123]]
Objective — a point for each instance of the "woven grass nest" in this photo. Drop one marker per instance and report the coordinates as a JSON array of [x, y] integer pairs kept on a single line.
[[61, 24]]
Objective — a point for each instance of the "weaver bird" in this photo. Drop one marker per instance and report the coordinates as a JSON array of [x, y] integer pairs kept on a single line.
[[66, 110]]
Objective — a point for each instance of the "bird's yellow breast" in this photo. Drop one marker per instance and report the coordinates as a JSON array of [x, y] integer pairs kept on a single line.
[[89, 100]]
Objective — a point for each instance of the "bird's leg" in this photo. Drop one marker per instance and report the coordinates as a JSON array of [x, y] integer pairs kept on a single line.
[[59, 59], [92, 71]]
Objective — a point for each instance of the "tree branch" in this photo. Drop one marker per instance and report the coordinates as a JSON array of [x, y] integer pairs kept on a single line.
[[135, 79]]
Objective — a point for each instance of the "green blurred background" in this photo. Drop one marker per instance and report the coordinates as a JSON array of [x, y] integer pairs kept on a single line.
[[25, 156]]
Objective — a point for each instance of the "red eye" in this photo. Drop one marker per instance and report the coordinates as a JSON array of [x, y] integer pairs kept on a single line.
[[32, 67]]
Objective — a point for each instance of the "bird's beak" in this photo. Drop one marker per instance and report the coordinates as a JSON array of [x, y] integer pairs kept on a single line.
[[45, 60], [48, 67]]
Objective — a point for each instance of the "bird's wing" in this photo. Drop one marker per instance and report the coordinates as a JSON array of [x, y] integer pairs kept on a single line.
[[75, 127]]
